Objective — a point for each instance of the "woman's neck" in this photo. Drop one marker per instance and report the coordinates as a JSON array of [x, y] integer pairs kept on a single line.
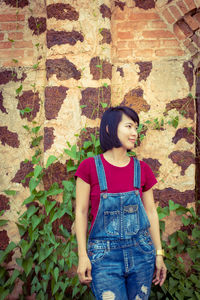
[[117, 157]]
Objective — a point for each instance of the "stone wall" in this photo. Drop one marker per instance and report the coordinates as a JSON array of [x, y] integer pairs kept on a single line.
[[55, 58]]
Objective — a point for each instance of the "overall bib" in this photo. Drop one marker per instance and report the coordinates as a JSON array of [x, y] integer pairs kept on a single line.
[[119, 246]]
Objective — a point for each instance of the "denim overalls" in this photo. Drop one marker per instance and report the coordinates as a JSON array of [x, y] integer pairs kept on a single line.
[[119, 246]]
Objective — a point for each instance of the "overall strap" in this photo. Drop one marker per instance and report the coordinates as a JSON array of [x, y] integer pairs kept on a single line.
[[100, 173], [137, 173]]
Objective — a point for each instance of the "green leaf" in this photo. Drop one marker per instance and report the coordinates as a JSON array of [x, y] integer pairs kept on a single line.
[[25, 246], [33, 183], [172, 205], [18, 91], [37, 171], [185, 221], [29, 199], [56, 274], [196, 233], [72, 153], [3, 222], [12, 279], [68, 185], [104, 104], [99, 66], [87, 144], [36, 141], [10, 192], [26, 127], [50, 160], [27, 265], [49, 205], [36, 221], [44, 253], [36, 129]]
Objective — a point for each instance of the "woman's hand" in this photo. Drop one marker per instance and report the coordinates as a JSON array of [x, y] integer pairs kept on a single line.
[[84, 269], [160, 271]]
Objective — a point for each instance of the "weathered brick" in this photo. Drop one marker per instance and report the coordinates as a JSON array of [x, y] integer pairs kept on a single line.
[[166, 14], [158, 24], [11, 53], [124, 53], [11, 26], [15, 35], [157, 34], [5, 45], [118, 14], [144, 16], [148, 44], [182, 6], [1, 36], [179, 33], [144, 53], [197, 17], [192, 22], [170, 43], [132, 44], [175, 12], [191, 4], [122, 44], [185, 28], [11, 18], [132, 25], [193, 50], [23, 44], [169, 52], [196, 40], [125, 35]]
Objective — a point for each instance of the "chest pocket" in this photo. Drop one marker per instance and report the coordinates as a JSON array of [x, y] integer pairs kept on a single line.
[[131, 219], [112, 222]]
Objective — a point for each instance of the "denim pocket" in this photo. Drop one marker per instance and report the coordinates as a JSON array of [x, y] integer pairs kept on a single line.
[[131, 219], [96, 254], [112, 222], [145, 242]]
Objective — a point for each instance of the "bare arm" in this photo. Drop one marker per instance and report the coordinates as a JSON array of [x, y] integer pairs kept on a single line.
[[82, 206], [154, 230]]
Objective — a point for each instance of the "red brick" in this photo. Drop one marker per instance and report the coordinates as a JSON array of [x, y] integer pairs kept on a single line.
[[124, 53], [157, 34], [125, 35], [190, 4], [185, 28], [11, 26], [122, 44], [192, 22], [23, 44], [187, 42], [169, 52], [179, 33], [148, 44], [131, 25], [166, 14], [11, 53], [170, 43], [11, 18], [158, 24], [144, 53], [175, 12], [1, 36], [196, 40], [197, 17], [118, 14], [5, 45], [132, 44], [15, 35], [193, 50], [182, 6], [144, 16]]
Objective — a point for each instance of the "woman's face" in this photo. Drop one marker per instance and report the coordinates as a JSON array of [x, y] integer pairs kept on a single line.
[[127, 132]]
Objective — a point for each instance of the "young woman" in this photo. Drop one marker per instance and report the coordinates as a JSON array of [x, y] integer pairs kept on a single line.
[[123, 249]]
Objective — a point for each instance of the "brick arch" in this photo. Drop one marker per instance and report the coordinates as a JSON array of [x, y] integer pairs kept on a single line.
[[183, 17]]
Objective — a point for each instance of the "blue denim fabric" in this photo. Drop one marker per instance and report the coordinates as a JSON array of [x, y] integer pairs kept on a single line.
[[119, 246]]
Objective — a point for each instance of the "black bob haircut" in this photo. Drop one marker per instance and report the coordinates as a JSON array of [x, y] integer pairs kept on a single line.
[[109, 124]]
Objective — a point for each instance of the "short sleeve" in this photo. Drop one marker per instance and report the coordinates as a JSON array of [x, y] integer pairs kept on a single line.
[[83, 171], [149, 179]]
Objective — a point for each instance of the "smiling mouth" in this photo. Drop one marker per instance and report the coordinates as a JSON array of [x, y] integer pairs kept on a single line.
[[132, 141]]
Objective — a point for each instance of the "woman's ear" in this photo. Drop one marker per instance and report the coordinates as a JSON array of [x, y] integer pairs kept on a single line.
[[107, 129]]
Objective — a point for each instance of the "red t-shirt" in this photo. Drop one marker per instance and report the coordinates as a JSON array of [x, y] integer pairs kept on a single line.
[[119, 179]]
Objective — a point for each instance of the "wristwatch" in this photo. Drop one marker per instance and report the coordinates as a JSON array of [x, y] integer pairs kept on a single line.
[[160, 252]]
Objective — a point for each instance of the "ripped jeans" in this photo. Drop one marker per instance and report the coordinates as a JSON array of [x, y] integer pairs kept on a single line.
[[122, 269]]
